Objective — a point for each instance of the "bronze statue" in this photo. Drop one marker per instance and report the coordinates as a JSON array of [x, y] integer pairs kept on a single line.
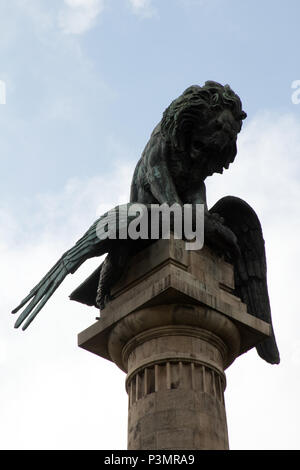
[[195, 138]]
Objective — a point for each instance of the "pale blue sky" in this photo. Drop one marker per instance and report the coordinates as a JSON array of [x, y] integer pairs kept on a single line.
[[69, 94], [86, 82]]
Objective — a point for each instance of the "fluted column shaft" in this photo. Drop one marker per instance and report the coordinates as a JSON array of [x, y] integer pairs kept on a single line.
[[175, 380]]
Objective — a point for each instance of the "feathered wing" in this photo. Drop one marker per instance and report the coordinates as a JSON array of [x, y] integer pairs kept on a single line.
[[88, 246], [250, 268]]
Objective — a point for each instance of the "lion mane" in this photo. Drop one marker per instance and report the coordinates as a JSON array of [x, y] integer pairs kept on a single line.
[[193, 106], [165, 168]]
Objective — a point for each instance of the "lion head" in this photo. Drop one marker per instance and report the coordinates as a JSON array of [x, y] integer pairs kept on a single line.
[[203, 123]]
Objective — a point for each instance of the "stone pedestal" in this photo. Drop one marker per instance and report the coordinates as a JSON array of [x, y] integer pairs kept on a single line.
[[174, 326]]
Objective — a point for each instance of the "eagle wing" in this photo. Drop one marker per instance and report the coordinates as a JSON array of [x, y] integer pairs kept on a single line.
[[250, 267], [91, 244]]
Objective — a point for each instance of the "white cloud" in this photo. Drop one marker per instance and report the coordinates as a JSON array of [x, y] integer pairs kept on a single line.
[[78, 16], [37, 405], [71, 17], [143, 8]]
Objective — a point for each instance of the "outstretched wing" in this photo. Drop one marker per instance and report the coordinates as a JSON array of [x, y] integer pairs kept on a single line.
[[93, 243], [250, 268]]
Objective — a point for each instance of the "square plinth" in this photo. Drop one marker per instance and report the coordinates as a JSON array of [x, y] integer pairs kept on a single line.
[[166, 273]]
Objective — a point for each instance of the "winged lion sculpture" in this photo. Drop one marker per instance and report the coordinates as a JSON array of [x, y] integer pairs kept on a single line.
[[195, 138]]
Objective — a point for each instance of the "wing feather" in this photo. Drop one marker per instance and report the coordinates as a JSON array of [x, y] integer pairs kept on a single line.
[[88, 246], [99, 239], [250, 268]]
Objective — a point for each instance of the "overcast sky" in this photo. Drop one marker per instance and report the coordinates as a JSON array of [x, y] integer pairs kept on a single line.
[[86, 81]]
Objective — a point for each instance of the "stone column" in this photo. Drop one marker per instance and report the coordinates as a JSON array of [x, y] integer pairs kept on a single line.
[[175, 380], [174, 327]]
